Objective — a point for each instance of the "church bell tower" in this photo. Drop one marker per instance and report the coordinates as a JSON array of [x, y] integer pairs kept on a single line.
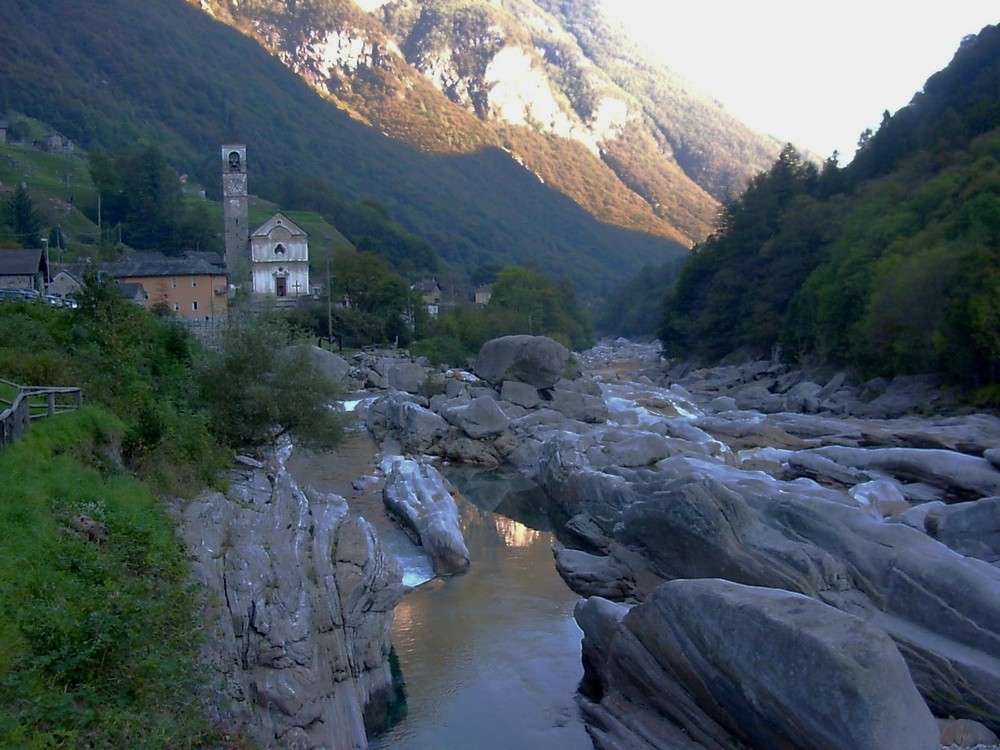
[[235, 214]]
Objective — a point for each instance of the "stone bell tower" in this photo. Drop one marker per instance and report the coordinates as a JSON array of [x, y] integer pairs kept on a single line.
[[235, 214]]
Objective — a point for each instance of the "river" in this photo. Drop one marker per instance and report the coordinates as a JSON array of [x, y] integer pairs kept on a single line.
[[491, 659]]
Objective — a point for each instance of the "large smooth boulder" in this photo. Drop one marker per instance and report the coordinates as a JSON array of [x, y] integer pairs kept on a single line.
[[406, 376], [536, 360], [729, 666], [478, 418], [330, 364], [940, 607], [416, 494]]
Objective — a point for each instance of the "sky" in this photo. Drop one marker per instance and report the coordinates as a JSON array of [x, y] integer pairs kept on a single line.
[[814, 73]]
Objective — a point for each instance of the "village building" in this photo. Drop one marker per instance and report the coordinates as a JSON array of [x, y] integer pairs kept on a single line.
[[430, 293], [189, 288], [483, 294], [279, 259], [23, 269]]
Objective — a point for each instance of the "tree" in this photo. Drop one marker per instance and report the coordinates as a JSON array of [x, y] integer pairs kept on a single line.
[[257, 390], [22, 216]]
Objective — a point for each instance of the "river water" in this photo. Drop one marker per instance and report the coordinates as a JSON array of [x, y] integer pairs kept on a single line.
[[491, 659]]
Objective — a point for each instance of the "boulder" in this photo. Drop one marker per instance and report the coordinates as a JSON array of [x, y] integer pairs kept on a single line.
[[965, 733], [578, 400], [478, 418], [329, 363], [406, 376], [519, 393], [536, 360], [416, 494], [733, 666], [971, 529], [402, 419]]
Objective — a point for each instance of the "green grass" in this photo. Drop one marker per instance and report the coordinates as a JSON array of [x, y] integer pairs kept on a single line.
[[98, 640], [7, 394], [60, 186]]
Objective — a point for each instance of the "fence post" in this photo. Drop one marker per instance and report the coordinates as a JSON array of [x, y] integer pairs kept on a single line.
[[52, 403]]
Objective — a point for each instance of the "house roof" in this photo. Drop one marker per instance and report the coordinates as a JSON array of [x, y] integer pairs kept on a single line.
[[130, 269], [279, 219], [21, 262], [214, 259], [427, 286]]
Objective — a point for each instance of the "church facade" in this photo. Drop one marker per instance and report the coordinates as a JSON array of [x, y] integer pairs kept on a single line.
[[279, 259]]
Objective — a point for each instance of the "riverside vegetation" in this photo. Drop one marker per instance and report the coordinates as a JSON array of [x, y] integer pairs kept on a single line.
[[100, 637]]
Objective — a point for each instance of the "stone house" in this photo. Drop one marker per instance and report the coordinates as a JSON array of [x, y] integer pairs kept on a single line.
[[279, 259], [483, 294], [23, 269], [430, 293]]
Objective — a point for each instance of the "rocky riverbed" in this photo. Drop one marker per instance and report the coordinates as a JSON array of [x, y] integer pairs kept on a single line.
[[765, 560]]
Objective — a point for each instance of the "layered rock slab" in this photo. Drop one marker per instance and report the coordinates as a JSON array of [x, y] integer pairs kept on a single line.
[[711, 663], [298, 610]]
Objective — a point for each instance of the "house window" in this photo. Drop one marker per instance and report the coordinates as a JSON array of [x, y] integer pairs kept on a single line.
[[177, 307], [173, 282], [194, 305], [279, 249], [194, 281]]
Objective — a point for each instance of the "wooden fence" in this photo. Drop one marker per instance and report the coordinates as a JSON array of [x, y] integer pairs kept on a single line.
[[33, 402]]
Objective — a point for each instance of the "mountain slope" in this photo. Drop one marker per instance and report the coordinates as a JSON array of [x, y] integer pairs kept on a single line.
[[551, 82], [120, 72]]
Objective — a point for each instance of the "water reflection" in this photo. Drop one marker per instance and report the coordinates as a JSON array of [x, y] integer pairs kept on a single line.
[[491, 659]]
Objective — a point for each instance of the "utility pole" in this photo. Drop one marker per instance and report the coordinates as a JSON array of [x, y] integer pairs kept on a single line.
[[329, 300], [48, 274]]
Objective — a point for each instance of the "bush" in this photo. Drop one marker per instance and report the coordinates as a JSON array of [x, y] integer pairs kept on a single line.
[[255, 392]]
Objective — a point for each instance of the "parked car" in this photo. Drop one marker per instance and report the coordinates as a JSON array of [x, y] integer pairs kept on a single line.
[[29, 295]]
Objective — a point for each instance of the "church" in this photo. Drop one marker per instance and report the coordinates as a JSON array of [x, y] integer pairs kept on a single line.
[[279, 258], [273, 260]]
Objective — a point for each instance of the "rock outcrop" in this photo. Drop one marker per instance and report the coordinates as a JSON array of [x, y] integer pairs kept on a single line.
[[724, 665], [298, 610], [416, 494], [756, 476]]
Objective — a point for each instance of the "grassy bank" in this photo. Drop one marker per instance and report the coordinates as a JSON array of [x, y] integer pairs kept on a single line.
[[98, 642]]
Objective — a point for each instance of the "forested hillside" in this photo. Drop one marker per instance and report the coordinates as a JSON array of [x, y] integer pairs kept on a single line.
[[890, 265], [118, 73], [554, 84]]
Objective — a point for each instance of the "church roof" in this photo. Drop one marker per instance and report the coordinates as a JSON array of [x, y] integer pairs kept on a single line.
[[279, 220]]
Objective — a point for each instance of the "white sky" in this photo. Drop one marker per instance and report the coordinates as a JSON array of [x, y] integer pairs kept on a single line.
[[815, 73]]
